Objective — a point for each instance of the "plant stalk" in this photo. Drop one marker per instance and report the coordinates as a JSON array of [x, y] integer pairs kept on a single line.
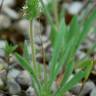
[[55, 10], [31, 36]]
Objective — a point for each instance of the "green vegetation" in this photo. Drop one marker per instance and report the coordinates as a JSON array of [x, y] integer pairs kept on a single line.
[[66, 41]]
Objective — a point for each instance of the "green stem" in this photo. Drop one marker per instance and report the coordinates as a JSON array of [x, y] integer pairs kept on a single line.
[[55, 7], [31, 36]]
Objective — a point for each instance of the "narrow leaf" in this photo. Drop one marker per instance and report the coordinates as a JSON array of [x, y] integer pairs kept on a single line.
[[57, 47], [70, 84], [26, 66]]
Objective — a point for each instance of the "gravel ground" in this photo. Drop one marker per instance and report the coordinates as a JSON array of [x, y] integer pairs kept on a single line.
[[15, 81]]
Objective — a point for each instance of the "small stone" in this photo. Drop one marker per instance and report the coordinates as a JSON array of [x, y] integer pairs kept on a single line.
[[54, 87], [2, 94], [69, 94], [37, 27], [93, 92], [3, 66], [46, 2], [11, 13], [2, 44], [3, 75], [1, 84], [24, 26], [80, 55], [43, 38], [5, 22], [75, 7], [2, 53], [13, 87], [13, 73], [76, 89], [89, 86], [24, 78], [30, 92], [15, 95], [13, 60], [9, 3]]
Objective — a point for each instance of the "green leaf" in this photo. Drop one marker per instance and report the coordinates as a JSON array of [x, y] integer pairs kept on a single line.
[[83, 63], [53, 35], [73, 34], [88, 69], [57, 48], [26, 53], [70, 84], [67, 73], [66, 57], [28, 67], [87, 65], [86, 27], [69, 47], [74, 30], [9, 49]]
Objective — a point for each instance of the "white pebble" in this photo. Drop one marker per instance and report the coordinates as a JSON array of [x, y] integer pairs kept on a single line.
[[30, 92], [9, 3], [1, 84], [11, 13], [74, 8], [13, 87], [93, 93], [5, 21]]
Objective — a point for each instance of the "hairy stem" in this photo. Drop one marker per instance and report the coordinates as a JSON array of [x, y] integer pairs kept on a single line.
[[31, 36], [55, 10]]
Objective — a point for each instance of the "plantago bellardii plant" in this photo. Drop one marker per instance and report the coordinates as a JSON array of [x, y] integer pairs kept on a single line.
[[31, 11], [67, 40]]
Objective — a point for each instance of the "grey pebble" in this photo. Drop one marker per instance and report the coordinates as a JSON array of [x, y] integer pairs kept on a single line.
[[5, 21], [2, 94], [8, 3], [13, 73], [13, 87], [24, 78], [93, 92], [30, 92], [89, 86], [3, 75], [54, 87], [15, 95], [1, 84], [69, 94]]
